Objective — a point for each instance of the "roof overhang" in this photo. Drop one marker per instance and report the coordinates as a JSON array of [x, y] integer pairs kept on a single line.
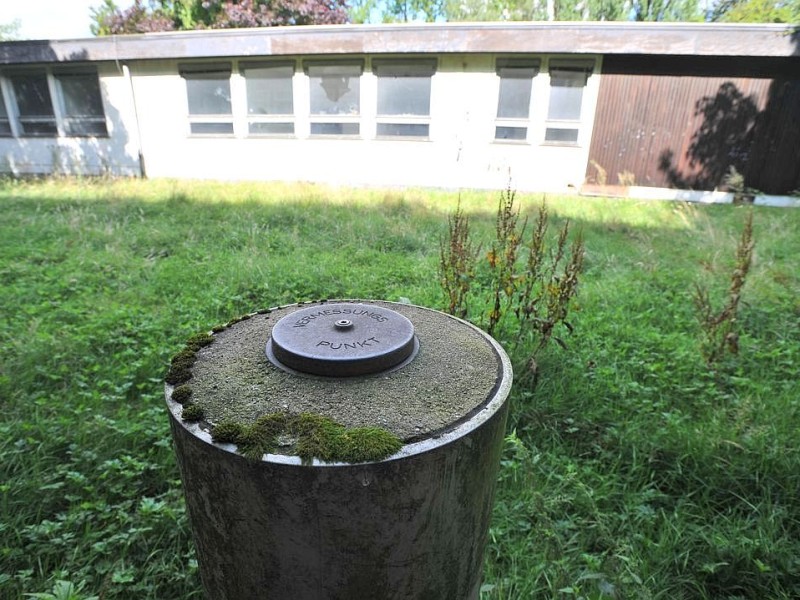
[[675, 39]]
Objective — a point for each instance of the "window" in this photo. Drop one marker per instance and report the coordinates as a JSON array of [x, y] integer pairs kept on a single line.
[[82, 104], [5, 122], [34, 106], [335, 96], [270, 105], [567, 82], [514, 101], [404, 97], [208, 90]]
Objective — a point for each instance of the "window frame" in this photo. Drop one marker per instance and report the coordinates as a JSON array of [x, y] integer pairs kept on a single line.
[[340, 120], [56, 99], [579, 67], [270, 118], [21, 117], [525, 68], [88, 118], [398, 68], [199, 71], [6, 118]]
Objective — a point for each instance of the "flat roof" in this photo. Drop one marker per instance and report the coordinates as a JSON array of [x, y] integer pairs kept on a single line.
[[575, 37]]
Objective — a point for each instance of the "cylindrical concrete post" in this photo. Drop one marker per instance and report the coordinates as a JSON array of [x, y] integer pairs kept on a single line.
[[411, 525]]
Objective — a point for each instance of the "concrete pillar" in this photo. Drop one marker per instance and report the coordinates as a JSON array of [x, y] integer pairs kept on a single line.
[[410, 525]]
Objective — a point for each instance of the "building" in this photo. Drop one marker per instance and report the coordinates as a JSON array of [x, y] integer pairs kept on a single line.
[[547, 106]]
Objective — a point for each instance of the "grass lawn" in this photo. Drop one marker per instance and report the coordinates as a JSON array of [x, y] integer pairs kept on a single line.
[[631, 470]]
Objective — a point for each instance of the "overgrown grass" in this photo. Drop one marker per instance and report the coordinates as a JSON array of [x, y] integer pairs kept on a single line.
[[630, 471]]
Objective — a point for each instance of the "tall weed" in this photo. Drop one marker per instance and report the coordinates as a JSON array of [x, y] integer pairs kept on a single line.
[[523, 291]]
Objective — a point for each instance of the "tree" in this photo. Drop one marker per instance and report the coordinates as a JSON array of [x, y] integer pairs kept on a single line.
[[571, 10], [666, 10], [757, 11], [9, 31], [167, 15]]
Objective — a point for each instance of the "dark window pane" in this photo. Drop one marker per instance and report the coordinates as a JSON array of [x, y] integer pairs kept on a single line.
[[81, 94], [32, 95], [271, 128], [334, 129], [511, 133], [403, 129], [212, 128], [85, 127], [555, 134], [44, 128], [5, 125]]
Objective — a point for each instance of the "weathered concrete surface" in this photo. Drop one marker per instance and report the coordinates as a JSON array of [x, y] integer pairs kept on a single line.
[[452, 375], [411, 527]]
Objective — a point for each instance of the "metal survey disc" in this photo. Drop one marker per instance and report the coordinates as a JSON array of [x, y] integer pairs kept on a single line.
[[342, 340]]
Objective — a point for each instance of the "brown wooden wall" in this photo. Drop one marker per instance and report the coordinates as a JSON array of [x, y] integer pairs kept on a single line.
[[683, 122]]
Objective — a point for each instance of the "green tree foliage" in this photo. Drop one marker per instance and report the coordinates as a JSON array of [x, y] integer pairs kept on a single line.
[[570, 10], [546, 10], [166, 15], [9, 31], [415, 10], [757, 11]]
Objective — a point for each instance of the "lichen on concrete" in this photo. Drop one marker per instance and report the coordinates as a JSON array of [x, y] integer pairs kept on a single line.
[[453, 374]]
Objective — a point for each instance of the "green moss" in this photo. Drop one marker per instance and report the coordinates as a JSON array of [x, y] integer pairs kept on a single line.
[[315, 437], [181, 394], [227, 432], [199, 340], [218, 328], [365, 444], [178, 374], [192, 412], [180, 369]]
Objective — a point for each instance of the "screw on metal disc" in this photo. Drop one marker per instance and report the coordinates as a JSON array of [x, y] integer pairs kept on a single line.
[[342, 340]]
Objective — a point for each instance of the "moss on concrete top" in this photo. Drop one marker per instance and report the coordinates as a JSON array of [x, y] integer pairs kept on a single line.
[[453, 374]]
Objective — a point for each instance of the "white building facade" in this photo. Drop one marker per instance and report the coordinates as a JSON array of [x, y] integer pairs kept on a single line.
[[442, 105]]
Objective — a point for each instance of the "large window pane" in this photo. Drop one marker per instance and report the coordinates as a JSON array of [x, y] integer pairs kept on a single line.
[[209, 95], [335, 97], [83, 105], [566, 92], [566, 96], [404, 96], [335, 89], [404, 90], [208, 91], [515, 98], [269, 89], [36, 117]]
